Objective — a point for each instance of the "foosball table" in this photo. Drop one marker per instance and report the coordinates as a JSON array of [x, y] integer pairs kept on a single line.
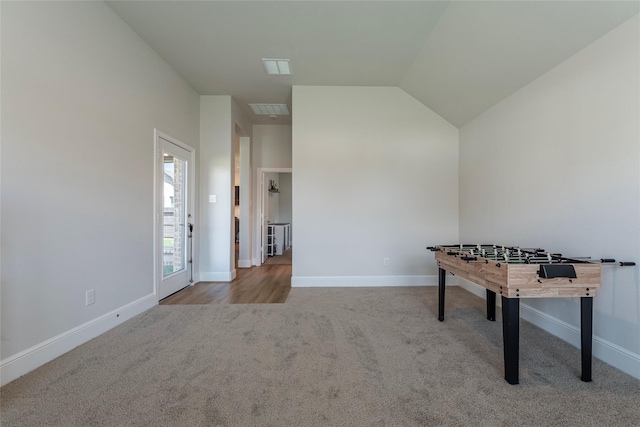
[[516, 273]]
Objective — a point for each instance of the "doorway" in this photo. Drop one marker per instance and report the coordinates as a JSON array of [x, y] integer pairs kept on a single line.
[[273, 185], [174, 207]]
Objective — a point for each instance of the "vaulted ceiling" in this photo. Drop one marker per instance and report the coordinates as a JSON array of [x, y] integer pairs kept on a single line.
[[458, 58]]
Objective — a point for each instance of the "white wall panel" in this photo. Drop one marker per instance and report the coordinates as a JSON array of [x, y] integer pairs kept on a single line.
[[217, 170], [375, 175], [557, 166], [81, 96]]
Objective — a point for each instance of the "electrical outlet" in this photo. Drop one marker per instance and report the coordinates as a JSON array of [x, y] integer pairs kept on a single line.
[[90, 296], [385, 262]]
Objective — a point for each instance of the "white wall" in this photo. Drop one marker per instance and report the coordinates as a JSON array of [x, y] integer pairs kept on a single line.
[[271, 146], [279, 204], [217, 169], [221, 123], [557, 166], [270, 149], [81, 96], [273, 199], [285, 200], [375, 175]]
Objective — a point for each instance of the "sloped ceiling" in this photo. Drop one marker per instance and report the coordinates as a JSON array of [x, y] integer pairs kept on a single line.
[[458, 58]]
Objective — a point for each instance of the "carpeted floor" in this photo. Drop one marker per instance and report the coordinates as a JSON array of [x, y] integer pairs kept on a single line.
[[327, 357]]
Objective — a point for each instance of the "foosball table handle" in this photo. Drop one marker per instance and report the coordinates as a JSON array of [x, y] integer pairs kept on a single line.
[[627, 264]]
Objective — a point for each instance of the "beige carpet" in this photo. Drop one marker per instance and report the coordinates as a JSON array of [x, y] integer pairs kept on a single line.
[[284, 259], [327, 357]]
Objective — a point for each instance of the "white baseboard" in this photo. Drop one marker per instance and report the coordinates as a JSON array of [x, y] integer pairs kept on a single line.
[[362, 281], [26, 361], [218, 276], [244, 263], [604, 350], [610, 353], [469, 286]]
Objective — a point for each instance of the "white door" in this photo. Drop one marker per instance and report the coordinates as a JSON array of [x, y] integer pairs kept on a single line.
[[173, 177]]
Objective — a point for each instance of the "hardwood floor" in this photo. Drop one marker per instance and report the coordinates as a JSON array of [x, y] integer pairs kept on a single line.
[[255, 285]]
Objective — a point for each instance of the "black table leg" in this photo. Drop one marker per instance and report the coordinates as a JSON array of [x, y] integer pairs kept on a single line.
[[441, 279], [491, 305], [511, 337], [586, 332]]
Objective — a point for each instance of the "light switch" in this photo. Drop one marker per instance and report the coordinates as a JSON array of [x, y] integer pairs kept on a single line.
[[212, 198]]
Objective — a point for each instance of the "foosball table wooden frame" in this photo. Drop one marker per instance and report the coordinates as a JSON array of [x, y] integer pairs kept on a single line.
[[514, 278]]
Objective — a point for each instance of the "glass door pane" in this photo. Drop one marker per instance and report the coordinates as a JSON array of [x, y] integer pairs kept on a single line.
[[174, 214]]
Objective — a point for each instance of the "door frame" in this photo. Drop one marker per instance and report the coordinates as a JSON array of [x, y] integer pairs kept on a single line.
[[261, 194], [245, 255], [157, 208]]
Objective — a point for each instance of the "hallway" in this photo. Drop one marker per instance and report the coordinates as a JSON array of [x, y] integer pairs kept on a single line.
[[267, 284]]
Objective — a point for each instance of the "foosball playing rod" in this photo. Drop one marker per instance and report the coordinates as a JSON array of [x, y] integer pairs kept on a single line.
[[550, 258], [603, 261], [492, 250], [545, 260]]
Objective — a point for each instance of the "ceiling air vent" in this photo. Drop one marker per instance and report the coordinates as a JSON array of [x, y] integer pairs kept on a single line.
[[277, 67], [270, 109]]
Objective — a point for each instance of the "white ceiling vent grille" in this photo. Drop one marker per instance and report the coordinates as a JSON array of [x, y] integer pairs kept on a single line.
[[270, 109], [277, 67]]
